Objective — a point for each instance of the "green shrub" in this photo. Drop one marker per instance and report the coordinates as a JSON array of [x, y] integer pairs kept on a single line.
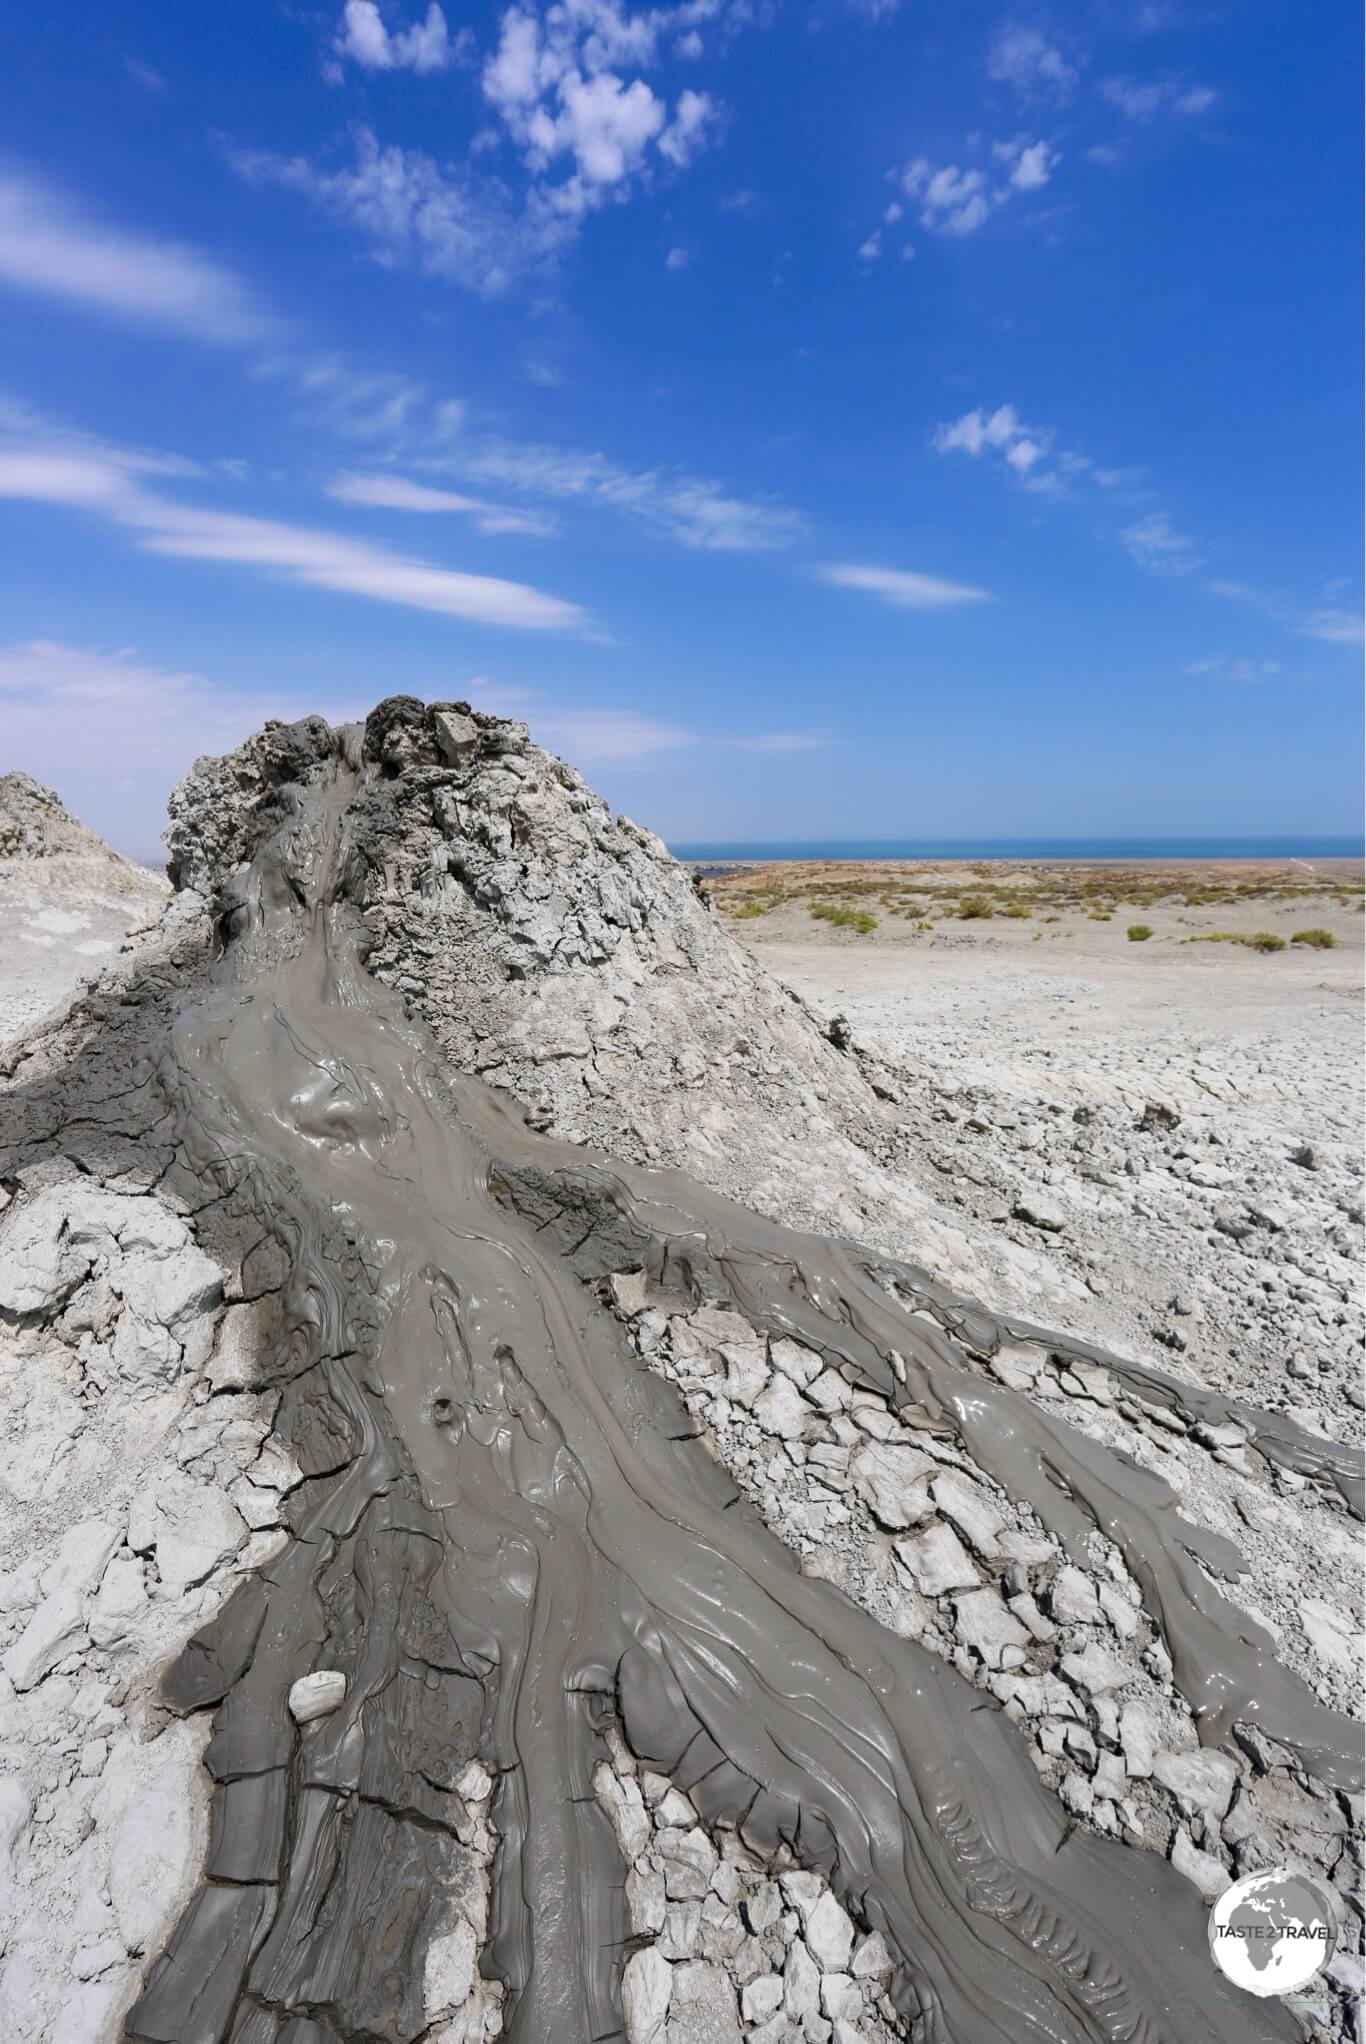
[[856, 919], [1019, 910], [1262, 940], [1318, 940], [974, 908], [1139, 933]]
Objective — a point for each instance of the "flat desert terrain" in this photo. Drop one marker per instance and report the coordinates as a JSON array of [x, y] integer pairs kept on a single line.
[[1173, 1121]]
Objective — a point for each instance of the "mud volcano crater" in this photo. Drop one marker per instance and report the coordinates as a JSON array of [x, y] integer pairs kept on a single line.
[[417, 1058]]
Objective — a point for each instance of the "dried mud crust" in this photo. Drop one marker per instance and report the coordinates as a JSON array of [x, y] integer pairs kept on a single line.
[[514, 1546]]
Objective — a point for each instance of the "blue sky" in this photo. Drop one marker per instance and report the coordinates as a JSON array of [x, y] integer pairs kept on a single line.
[[818, 420]]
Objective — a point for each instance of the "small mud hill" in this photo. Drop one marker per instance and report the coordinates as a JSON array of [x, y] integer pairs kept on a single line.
[[67, 900], [563, 954], [34, 824]]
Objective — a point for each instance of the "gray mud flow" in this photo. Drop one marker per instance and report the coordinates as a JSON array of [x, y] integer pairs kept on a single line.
[[511, 1537]]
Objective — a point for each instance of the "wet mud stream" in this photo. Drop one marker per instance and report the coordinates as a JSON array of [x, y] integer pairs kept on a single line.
[[510, 1536]]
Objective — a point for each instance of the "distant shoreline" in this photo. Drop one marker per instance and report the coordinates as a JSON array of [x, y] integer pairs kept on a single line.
[[1024, 851]]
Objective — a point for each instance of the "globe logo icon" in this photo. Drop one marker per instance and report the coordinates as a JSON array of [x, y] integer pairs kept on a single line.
[[1272, 1932]]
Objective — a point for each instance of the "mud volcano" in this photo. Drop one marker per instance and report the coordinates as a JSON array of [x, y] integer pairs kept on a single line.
[[553, 1606]]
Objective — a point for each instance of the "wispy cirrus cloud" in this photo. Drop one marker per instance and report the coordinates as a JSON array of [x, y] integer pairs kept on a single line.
[[1144, 99], [1154, 544], [1335, 627], [1230, 667], [1031, 457], [903, 588], [589, 735], [400, 493], [102, 485], [55, 249], [690, 509]]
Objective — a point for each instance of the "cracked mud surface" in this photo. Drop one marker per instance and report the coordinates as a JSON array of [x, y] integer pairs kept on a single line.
[[509, 1535]]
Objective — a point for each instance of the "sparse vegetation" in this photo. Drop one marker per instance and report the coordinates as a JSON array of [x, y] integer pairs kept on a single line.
[[913, 898], [856, 919], [1139, 933], [1259, 940]]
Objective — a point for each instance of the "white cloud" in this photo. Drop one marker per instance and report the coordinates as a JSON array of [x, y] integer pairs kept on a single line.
[[1228, 668], [976, 430], [318, 559], [49, 247], [677, 259], [1337, 627], [900, 586], [556, 84], [607, 734], [695, 118], [426, 46], [957, 201], [1023, 57], [689, 45], [471, 228], [1155, 544], [399, 493], [871, 249], [144, 75], [1033, 167], [1144, 99], [784, 741], [1028, 453], [692, 510], [112, 732]]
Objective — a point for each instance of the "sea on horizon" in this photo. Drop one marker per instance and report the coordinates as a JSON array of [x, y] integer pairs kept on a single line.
[[1025, 848]]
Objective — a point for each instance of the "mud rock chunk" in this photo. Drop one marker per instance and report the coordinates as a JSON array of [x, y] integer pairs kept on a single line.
[[1073, 1598], [1202, 1779], [762, 1998], [801, 1983], [56, 1628], [938, 1560], [1210, 1876], [450, 1967], [1040, 1211], [315, 1695], [983, 1622], [457, 736], [15, 1811], [703, 2009], [971, 1511], [119, 1601], [830, 1935], [646, 1991], [780, 1410], [885, 1478]]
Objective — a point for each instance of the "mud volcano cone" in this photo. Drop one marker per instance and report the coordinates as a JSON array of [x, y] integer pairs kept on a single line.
[[435, 1022]]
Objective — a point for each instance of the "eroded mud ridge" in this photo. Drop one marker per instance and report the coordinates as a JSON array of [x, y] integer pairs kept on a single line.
[[516, 1547]]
